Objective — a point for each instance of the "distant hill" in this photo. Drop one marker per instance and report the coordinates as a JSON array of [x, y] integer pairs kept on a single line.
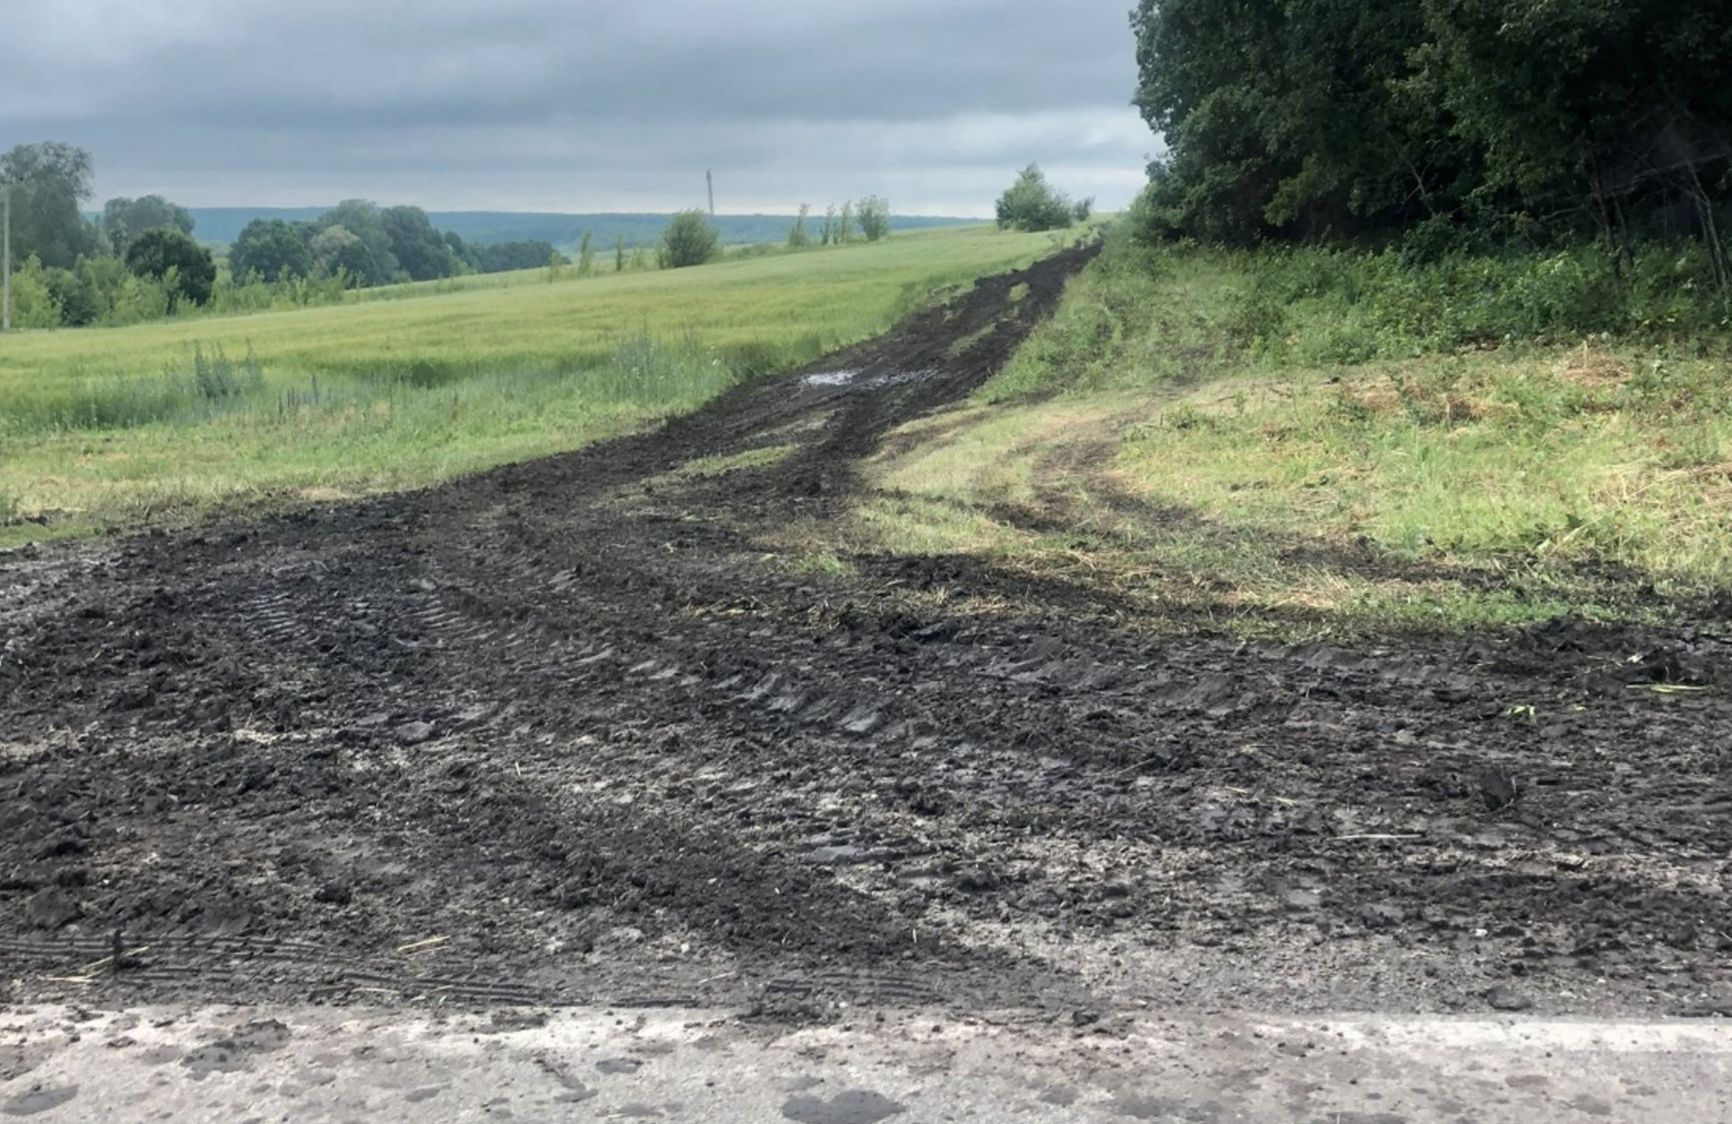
[[222, 225]]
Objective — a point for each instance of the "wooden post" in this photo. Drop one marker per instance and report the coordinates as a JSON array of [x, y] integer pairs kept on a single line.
[[6, 261]]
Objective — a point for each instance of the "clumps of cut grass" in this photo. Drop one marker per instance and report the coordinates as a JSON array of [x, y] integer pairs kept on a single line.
[[706, 467], [820, 563]]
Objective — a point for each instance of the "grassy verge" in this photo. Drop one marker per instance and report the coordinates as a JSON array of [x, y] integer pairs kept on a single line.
[[1165, 437], [104, 427]]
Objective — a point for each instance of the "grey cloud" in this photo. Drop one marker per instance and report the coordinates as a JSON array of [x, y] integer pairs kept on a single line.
[[222, 98]]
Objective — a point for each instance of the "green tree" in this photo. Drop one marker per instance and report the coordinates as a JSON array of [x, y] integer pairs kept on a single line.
[[88, 293], [798, 236], [619, 253], [1033, 204], [33, 304], [369, 261], [689, 239], [175, 259], [874, 214], [1286, 118], [419, 250], [828, 235], [1589, 109], [845, 224], [50, 182], [1475, 118], [586, 254], [465, 254], [338, 252], [273, 249], [125, 219], [504, 257]]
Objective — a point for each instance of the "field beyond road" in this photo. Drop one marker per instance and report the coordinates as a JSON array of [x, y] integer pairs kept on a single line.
[[153, 423]]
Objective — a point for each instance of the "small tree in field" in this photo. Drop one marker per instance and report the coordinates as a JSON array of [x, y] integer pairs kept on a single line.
[[845, 224], [619, 253], [874, 213], [829, 234], [798, 236], [689, 239], [586, 255], [1032, 204]]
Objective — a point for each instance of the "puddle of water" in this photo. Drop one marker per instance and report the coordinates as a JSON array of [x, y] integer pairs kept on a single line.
[[852, 378], [831, 378]]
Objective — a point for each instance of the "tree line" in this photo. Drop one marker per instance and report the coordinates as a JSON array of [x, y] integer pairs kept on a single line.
[[372, 245], [871, 215], [137, 259], [1442, 124]]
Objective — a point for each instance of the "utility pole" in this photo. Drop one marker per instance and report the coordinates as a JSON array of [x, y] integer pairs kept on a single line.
[[6, 260], [710, 178]]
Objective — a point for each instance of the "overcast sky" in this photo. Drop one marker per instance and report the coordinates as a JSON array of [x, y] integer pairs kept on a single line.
[[580, 105]]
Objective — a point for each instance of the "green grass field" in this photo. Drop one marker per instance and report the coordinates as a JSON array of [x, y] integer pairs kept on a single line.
[[1155, 447], [116, 427]]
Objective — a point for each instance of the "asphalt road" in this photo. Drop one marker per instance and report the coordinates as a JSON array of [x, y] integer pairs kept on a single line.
[[60, 1063]]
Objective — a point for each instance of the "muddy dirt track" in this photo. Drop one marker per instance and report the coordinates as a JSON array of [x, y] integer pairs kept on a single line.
[[560, 733]]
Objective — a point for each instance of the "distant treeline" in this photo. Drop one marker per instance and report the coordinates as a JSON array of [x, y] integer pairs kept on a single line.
[[372, 245], [143, 259], [138, 259], [220, 226]]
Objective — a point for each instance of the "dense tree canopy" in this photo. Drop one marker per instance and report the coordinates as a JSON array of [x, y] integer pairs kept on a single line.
[[169, 255], [1306, 118], [272, 249], [367, 256], [503, 257], [418, 248], [125, 219]]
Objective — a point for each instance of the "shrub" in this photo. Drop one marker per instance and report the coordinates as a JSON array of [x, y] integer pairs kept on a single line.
[[874, 212], [215, 376], [33, 303], [1033, 204], [798, 237], [689, 239]]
